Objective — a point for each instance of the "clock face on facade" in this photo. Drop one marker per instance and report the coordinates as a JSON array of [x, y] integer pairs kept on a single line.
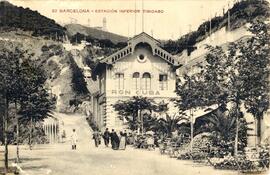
[[141, 58]]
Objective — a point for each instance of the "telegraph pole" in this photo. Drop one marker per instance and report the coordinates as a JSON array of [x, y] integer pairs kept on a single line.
[[229, 22], [142, 16], [135, 20]]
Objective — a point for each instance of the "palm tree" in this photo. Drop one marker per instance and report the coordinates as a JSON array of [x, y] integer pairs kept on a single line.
[[169, 124], [222, 124]]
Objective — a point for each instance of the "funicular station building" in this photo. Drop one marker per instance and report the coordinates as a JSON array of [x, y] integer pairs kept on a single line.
[[142, 68]]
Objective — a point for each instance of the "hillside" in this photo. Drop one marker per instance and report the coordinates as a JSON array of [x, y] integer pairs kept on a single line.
[[241, 13], [73, 29], [13, 17], [68, 66], [67, 69]]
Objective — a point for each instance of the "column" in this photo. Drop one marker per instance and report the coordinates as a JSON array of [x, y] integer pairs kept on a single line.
[[53, 124], [57, 132], [45, 129], [51, 133]]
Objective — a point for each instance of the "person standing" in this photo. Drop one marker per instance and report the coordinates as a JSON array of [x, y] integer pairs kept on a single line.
[[126, 136], [96, 137], [74, 140], [122, 145], [106, 137], [117, 141], [114, 140]]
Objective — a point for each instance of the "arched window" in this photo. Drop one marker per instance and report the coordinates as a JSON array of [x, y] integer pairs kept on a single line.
[[136, 80], [146, 81]]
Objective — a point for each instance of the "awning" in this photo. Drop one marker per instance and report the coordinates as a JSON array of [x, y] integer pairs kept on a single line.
[[199, 112]]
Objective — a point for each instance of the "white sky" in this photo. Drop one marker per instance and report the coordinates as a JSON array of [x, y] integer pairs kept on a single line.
[[175, 21]]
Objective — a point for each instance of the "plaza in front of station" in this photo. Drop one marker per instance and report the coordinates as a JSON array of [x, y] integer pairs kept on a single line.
[[59, 159]]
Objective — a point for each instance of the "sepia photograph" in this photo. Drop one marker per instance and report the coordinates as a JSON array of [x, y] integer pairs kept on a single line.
[[134, 87]]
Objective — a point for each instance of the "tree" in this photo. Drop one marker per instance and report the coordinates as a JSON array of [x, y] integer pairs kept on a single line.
[[19, 80], [216, 82], [36, 103], [254, 68], [215, 75], [133, 111], [248, 75], [223, 83], [190, 90], [9, 86], [169, 124], [222, 124], [130, 109]]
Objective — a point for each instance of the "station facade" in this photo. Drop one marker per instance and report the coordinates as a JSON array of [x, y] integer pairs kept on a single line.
[[142, 68]]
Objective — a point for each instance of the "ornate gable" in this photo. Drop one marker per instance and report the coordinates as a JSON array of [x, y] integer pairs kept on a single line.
[[142, 38]]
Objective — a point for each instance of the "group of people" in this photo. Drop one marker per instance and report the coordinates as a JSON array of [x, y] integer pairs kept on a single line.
[[118, 142]]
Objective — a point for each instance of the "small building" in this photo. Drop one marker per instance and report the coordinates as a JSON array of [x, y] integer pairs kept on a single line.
[[142, 68]]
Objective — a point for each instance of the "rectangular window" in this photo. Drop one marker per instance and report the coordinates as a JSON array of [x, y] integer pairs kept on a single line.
[[163, 82], [119, 80], [146, 83], [136, 83]]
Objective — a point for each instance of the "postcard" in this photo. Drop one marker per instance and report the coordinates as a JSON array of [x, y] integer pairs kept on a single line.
[[134, 87]]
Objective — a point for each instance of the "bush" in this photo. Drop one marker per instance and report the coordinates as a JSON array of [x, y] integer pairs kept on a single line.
[[196, 155], [45, 48], [227, 164]]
